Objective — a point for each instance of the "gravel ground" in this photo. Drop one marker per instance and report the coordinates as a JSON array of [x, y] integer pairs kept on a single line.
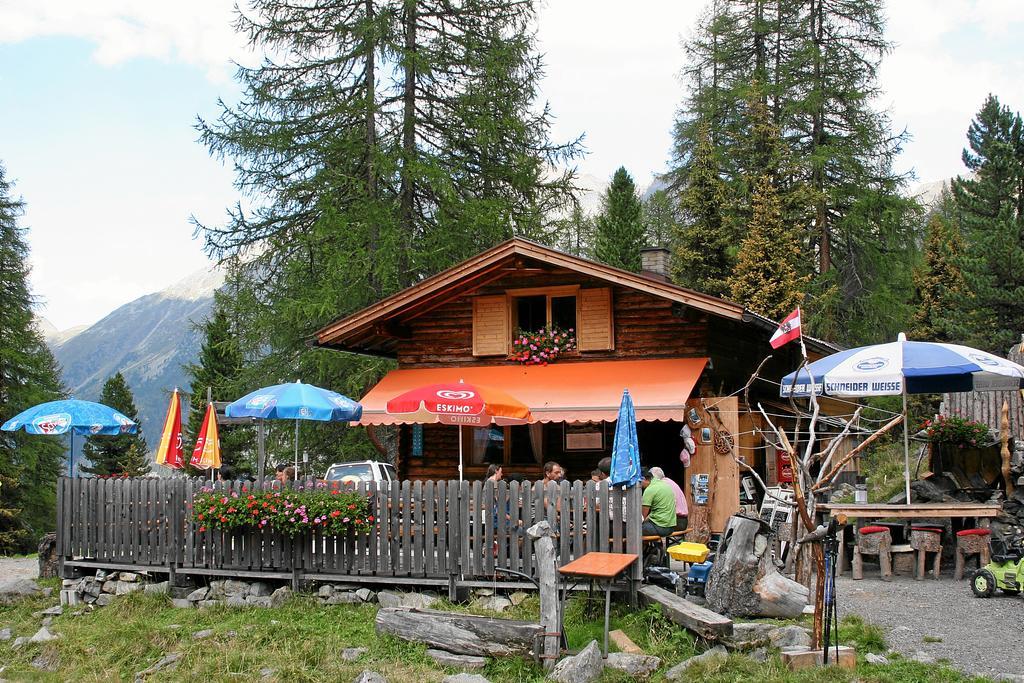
[[18, 568], [979, 636]]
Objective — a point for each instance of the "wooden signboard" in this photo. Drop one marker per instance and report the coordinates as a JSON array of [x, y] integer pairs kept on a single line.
[[723, 498]]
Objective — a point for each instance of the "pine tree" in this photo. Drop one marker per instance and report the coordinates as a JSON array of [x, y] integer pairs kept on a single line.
[[219, 369], [768, 277], [703, 242], [29, 465], [122, 454], [940, 284], [991, 210], [389, 139], [619, 228]]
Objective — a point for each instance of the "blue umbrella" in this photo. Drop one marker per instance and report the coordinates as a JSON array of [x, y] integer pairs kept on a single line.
[[74, 416], [625, 469], [296, 401], [904, 367]]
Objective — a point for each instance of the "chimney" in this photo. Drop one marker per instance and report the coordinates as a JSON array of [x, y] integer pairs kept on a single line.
[[654, 262]]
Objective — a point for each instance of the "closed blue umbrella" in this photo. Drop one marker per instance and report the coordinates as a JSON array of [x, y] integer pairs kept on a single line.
[[625, 469], [74, 416], [296, 401]]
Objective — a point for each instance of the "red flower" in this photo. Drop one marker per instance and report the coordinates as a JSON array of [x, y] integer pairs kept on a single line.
[[370, 518], [202, 528], [352, 507], [336, 513], [223, 518], [200, 516], [231, 510]]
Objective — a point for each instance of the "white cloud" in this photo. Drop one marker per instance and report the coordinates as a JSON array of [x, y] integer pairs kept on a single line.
[[194, 32]]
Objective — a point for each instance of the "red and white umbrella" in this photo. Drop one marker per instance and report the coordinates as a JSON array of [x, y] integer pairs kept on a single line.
[[458, 403]]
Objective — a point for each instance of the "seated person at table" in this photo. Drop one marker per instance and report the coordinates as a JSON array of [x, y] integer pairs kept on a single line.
[[553, 472], [681, 508], [597, 476], [659, 506]]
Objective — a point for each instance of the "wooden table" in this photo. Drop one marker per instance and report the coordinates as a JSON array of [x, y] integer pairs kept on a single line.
[[596, 567], [866, 511], [912, 511]]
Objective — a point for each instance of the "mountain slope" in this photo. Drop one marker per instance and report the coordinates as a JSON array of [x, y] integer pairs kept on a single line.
[[149, 340]]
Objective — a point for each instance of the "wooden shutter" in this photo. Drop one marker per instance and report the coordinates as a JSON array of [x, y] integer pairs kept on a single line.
[[594, 319], [491, 335]]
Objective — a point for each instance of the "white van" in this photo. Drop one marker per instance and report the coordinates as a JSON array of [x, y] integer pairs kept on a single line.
[[365, 470]]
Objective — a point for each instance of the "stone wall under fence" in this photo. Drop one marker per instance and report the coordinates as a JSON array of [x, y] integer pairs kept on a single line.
[[443, 533]]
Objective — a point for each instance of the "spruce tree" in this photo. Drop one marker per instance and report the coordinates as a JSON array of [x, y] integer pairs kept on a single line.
[[661, 218], [813, 68], [703, 251], [941, 288], [576, 233], [768, 277], [219, 369], [122, 454], [990, 206], [619, 228], [29, 464]]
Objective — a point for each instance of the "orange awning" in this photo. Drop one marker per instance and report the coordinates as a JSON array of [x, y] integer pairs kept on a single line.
[[563, 392]]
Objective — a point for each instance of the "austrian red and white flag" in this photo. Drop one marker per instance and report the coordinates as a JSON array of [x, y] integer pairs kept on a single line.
[[788, 330]]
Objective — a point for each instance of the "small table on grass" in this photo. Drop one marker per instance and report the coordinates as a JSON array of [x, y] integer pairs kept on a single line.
[[597, 568]]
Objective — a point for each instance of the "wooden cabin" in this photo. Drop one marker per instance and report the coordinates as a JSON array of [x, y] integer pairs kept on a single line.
[[673, 348]]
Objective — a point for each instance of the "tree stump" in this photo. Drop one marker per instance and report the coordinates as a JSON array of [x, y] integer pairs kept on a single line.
[[743, 580], [49, 563]]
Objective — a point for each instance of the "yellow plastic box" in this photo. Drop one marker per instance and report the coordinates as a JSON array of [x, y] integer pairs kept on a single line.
[[688, 552]]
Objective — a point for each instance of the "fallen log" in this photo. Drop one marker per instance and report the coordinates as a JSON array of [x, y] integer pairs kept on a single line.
[[705, 623], [743, 580], [463, 634]]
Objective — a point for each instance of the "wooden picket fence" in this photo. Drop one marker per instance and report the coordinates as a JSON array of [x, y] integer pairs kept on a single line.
[[437, 533]]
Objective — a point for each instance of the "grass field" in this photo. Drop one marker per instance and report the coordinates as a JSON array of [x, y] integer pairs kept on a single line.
[[303, 641]]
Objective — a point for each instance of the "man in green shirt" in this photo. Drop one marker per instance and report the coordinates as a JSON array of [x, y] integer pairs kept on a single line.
[[659, 506]]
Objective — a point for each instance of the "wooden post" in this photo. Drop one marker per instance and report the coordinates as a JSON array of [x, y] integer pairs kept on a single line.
[[547, 579], [1004, 438], [261, 453]]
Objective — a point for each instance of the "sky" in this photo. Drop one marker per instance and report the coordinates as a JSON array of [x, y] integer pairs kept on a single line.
[[98, 102]]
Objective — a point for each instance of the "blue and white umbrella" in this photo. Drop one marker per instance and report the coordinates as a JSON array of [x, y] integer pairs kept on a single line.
[[625, 468], [904, 367], [900, 368], [296, 401], [71, 415]]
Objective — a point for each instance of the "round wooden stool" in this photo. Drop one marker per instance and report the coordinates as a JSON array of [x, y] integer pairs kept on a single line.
[[873, 540], [971, 542], [926, 539]]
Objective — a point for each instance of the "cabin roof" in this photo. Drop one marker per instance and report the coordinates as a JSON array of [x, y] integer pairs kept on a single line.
[[376, 329]]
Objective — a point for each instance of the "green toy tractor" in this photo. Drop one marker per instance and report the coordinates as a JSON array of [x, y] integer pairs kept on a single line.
[[1005, 572]]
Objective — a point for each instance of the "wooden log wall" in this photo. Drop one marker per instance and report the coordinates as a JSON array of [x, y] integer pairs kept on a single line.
[[645, 327], [445, 530]]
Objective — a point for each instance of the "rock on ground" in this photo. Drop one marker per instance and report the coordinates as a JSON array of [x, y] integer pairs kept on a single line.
[[351, 654], [43, 635], [200, 635], [789, 636], [370, 677], [872, 658], [678, 672], [637, 666], [749, 635], [389, 598], [198, 594], [168, 662], [280, 596], [495, 603], [445, 658], [5, 634], [15, 589], [465, 678], [181, 603], [581, 668]]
